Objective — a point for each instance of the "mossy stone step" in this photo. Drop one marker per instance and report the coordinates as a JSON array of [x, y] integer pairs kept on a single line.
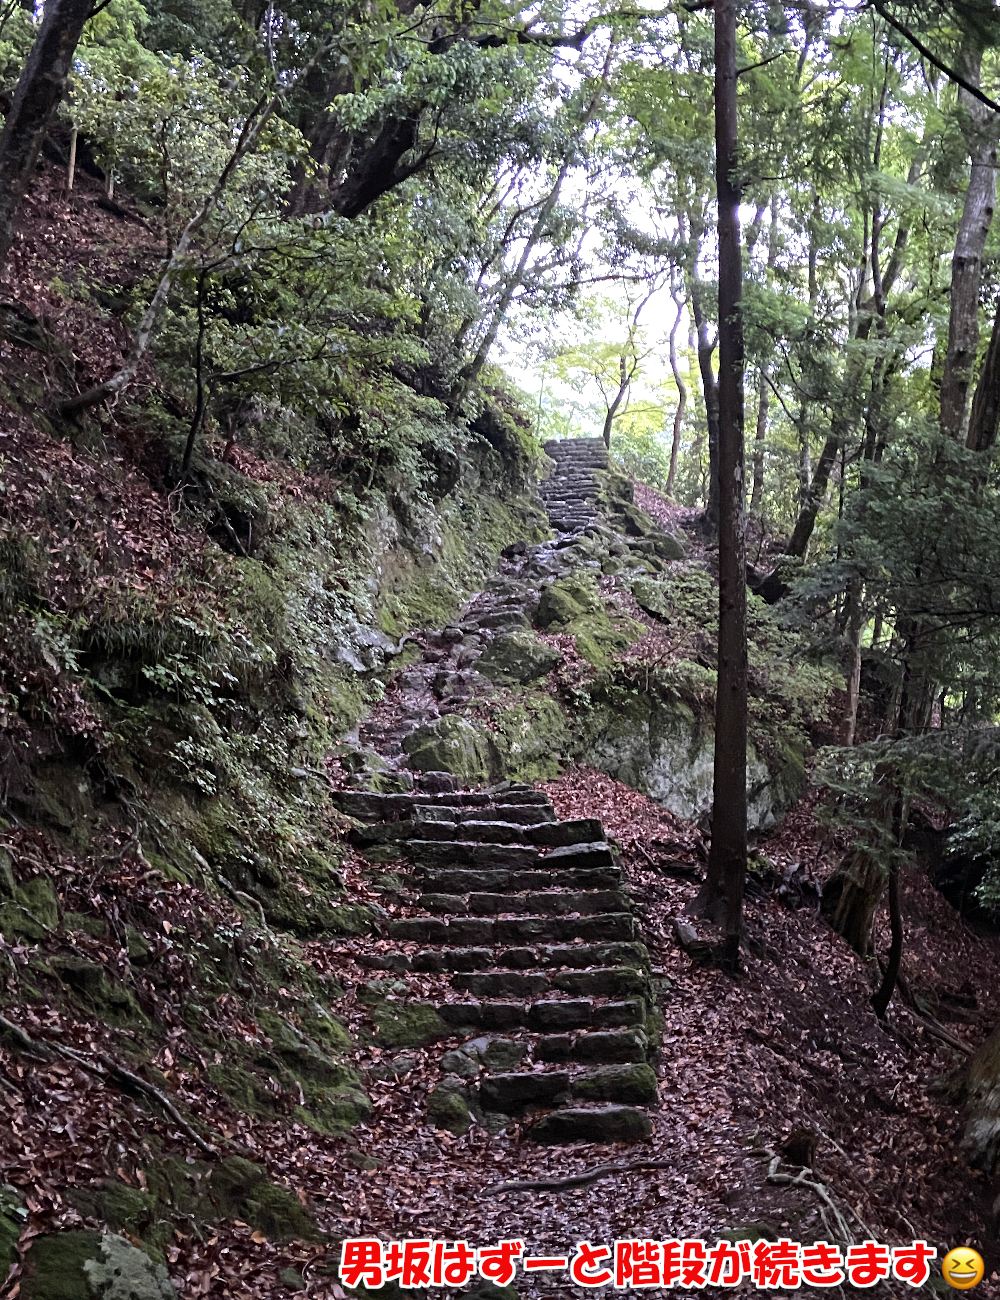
[[549, 903], [606, 981], [614, 1046], [602, 1124], [462, 881], [462, 853], [465, 931], [542, 955], [367, 805], [581, 830], [570, 1013], [513, 1093]]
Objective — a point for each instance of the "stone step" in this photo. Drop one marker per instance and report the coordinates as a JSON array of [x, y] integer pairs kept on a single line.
[[543, 1015], [609, 1046], [459, 881], [517, 1092], [522, 814], [481, 931], [464, 853], [603, 1124], [542, 955], [545, 903], [605, 981], [544, 834], [367, 805]]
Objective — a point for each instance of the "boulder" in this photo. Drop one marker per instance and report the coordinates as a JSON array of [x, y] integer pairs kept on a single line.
[[517, 657], [452, 744], [447, 1107], [84, 1265]]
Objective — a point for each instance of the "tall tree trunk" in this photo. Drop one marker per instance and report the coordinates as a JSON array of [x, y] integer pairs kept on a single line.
[[985, 416], [623, 387], [40, 87], [727, 863], [967, 262], [675, 444], [760, 438], [710, 388], [763, 388]]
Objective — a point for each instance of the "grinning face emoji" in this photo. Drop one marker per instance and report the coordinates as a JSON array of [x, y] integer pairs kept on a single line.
[[962, 1268]]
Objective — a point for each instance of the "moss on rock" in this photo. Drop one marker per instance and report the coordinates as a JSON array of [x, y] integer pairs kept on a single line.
[[517, 657], [452, 744], [83, 1265], [409, 1024], [239, 1189]]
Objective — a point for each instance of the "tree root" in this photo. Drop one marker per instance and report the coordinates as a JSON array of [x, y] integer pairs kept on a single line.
[[104, 1067], [576, 1180]]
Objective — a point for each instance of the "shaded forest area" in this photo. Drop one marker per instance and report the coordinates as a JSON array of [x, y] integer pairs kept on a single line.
[[499, 633]]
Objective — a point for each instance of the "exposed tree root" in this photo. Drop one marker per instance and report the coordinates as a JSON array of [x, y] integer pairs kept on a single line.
[[104, 1067]]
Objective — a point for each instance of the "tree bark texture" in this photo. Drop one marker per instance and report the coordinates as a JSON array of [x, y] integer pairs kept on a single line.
[[675, 442], [710, 387], [985, 416], [728, 856], [967, 262], [40, 87]]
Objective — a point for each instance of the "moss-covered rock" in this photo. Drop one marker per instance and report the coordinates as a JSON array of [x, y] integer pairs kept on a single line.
[[82, 1265], [517, 657], [534, 737], [99, 991], [452, 744], [32, 911], [448, 1109], [12, 1216], [633, 1084], [409, 1024], [239, 1189]]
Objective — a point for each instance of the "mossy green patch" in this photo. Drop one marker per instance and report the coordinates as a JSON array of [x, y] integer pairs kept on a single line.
[[534, 738], [453, 744], [240, 1189], [407, 1024]]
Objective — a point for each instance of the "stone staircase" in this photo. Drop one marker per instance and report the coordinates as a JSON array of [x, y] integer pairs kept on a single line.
[[526, 921], [569, 494]]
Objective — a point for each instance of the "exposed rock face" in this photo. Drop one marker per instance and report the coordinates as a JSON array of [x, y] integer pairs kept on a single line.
[[663, 749], [982, 1131], [518, 657]]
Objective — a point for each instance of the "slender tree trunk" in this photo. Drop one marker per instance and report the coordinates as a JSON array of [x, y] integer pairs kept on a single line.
[[728, 857], [675, 444], [710, 387], [848, 410], [619, 397], [763, 388], [760, 439], [178, 259], [71, 167], [40, 87], [967, 262]]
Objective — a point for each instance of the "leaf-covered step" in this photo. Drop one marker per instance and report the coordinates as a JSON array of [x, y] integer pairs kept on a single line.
[[563, 902], [541, 955], [461, 881], [514, 1093], [548, 1014], [607, 981], [475, 931]]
